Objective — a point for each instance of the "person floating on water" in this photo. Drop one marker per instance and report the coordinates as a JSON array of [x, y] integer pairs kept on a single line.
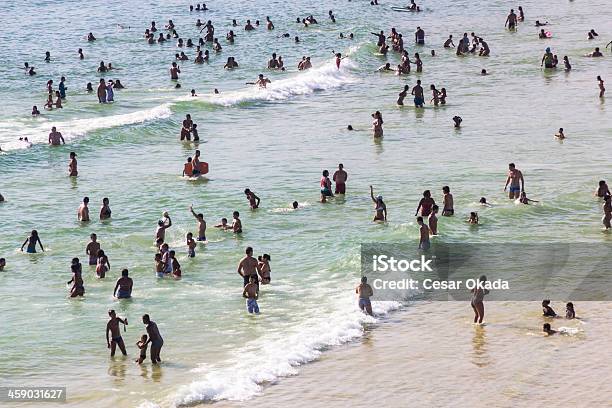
[[547, 329]]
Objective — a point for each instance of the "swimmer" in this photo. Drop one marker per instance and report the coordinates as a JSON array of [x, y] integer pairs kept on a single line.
[[547, 59], [176, 266], [77, 288], [340, 176], [193, 92], [570, 313], [380, 207], [457, 120], [566, 63], [546, 329], [32, 240], [595, 53], [196, 163], [223, 224], [435, 95], [473, 218], [449, 42], [72, 165], [262, 82], [83, 211], [433, 220], [425, 204], [547, 311], [542, 34], [188, 168], [253, 199], [349, 127], [80, 51], [269, 24], [419, 36], [560, 135], [538, 24], [92, 249], [236, 226], [90, 37], [248, 26], [339, 58], [449, 208], [123, 287], [201, 224], [483, 202], [191, 245], [115, 338], [386, 67], [516, 181], [89, 87], [2, 264], [35, 111], [602, 89], [55, 137], [424, 233], [295, 205], [247, 268], [602, 189], [524, 200], [364, 291]]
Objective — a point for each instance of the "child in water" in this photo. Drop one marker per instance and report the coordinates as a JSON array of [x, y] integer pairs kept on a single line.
[[524, 200], [560, 134], [473, 218], [547, 310], [483, 202], [159, 266], [569, 311], [223, 224], [103, 264], [142, 345], [191, 245], [546, 329], [176, 266], [31, 241]]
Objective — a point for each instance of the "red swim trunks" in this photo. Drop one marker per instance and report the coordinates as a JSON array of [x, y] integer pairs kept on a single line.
[[340, 188]]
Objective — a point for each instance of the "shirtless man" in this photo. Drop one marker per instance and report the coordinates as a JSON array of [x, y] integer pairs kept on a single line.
[[516, 181], [261, 81], [101, 91], [511, 20], [340, 176], [273, 62], [424, 242], [72, 165], [162, 226], [91, 250], [419, 36], [187, 127], [364, 292], [247, 267], [417, 92], [253, 199], [201, 224], [174, 71], [155, 338], [449, 205], [113, 327], [449, 42], [83, 211], [123, 287], [56, 137]]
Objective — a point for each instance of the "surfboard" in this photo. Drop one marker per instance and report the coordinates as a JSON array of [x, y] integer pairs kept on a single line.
[[203, 167], [402, 9]]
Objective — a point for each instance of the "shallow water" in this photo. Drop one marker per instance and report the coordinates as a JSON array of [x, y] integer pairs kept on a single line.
[[276, 142]]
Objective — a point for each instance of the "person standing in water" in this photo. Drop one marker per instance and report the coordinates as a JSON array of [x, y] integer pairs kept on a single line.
[[112, 327], [32, 240], [449, 204], [83, 211], [72, 165], [607, 210], [201, 224], [417, 92], [433, 220], [477, 302], [364, 291], [402, 95], [424, 242], [425, 204], [56, 137], [123, 287], [155, 338], [380, 207], [516, 181], [92, 249], [253, 199], [340, 176], [377, 124], [511, 20], [325, 185], [247, 267], [77, 288], [105, 210], [251, 293]]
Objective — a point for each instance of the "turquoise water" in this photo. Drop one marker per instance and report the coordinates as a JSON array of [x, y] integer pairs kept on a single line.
[[275, 142]]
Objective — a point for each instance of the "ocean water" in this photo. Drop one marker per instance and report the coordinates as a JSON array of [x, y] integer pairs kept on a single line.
[[276, 142]]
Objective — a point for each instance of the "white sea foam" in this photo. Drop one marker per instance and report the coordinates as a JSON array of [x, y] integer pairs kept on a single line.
[[276, 355], [76, 128]]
